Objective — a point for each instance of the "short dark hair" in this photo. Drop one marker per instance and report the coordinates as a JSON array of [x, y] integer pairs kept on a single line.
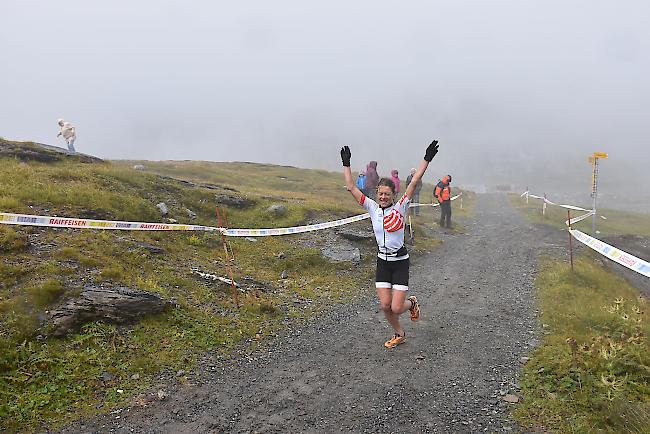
[[386, 183]]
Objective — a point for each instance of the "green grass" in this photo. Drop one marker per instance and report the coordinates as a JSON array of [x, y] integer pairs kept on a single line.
[[46, 381], [617, 223], [592, 371]]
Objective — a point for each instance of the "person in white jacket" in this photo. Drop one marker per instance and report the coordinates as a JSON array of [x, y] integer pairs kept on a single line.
[[68, 133]]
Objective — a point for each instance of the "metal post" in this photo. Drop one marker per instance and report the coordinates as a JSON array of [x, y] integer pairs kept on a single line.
[[570, 239], [594, 194], [544, 206]]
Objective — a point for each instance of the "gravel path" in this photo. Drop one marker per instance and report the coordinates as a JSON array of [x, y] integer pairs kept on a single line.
[[334, 375]]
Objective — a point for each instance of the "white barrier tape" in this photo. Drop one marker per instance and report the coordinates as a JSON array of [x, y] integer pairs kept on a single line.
[[63, 222], [573, 207], [294, 229], [413, 205], [309, 228], [575, 220], [630, 261], [623, 258]]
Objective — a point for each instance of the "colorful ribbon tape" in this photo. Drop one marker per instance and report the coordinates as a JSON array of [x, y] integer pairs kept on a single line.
[[617, 255]]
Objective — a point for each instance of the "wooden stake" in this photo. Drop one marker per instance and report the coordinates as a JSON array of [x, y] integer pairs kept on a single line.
[[228, 262]]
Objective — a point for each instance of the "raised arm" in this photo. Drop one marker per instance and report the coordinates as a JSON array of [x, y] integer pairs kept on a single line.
[[431, 152], [349, 182]]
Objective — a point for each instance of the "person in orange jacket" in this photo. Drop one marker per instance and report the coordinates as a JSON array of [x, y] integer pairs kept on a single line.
[[442, 193]]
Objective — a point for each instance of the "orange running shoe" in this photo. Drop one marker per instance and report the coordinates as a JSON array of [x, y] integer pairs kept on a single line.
[[394, 341], [415, 308]]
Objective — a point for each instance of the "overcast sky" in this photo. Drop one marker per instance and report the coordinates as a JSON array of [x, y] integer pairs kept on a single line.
[[508, 87]]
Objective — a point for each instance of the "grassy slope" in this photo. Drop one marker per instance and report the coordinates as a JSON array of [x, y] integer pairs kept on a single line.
[[43, 378], [592, 371], [617, 223]]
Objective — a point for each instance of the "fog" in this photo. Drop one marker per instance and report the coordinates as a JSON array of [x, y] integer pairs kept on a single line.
[[517, 92]]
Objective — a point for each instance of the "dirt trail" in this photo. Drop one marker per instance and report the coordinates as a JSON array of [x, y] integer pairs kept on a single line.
[[334, 375]]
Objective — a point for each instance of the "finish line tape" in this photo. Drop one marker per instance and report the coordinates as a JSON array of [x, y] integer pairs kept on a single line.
[[630, 261], [75, 223]]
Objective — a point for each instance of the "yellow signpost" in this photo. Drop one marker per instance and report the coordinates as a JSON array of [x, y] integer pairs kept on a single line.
[[593, 160]]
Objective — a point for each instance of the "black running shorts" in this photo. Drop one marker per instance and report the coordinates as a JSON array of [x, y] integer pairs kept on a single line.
[[392, 274]]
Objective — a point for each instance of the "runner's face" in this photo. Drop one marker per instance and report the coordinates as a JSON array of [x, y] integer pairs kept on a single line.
[[384, 196]]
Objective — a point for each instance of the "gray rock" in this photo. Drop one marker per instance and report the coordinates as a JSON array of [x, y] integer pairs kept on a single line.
[[342, 253], [116, 305], [252, 240], [138, 167], [284, 274], [233, 200], [191, 214], [106, 376], [277, 210], [152, 248], [162, 206]]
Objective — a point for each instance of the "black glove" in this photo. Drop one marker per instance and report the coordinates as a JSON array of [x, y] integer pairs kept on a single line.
[[345, 156], [432, 150]]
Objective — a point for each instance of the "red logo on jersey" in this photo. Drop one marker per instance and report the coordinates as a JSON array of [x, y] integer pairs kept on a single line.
[[394, 221]]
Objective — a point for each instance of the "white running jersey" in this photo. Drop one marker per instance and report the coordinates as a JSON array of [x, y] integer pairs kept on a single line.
[[388, 224]]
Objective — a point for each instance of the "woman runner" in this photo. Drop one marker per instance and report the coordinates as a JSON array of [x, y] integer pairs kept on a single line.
[[392, 276]]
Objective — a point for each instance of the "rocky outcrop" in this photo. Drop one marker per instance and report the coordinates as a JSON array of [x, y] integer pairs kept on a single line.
[[233, 200], [31, 151], [116, 305]]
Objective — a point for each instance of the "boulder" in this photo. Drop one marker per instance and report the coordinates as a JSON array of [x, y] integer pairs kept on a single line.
[[233, 200], [138, 167], [162, 206], [116, 305], [191, 214], [277, 210]]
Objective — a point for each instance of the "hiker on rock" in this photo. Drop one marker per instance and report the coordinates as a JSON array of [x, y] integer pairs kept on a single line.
[[68, 133], [416, 194], [442, 194], [372, 178], [392, 275]]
